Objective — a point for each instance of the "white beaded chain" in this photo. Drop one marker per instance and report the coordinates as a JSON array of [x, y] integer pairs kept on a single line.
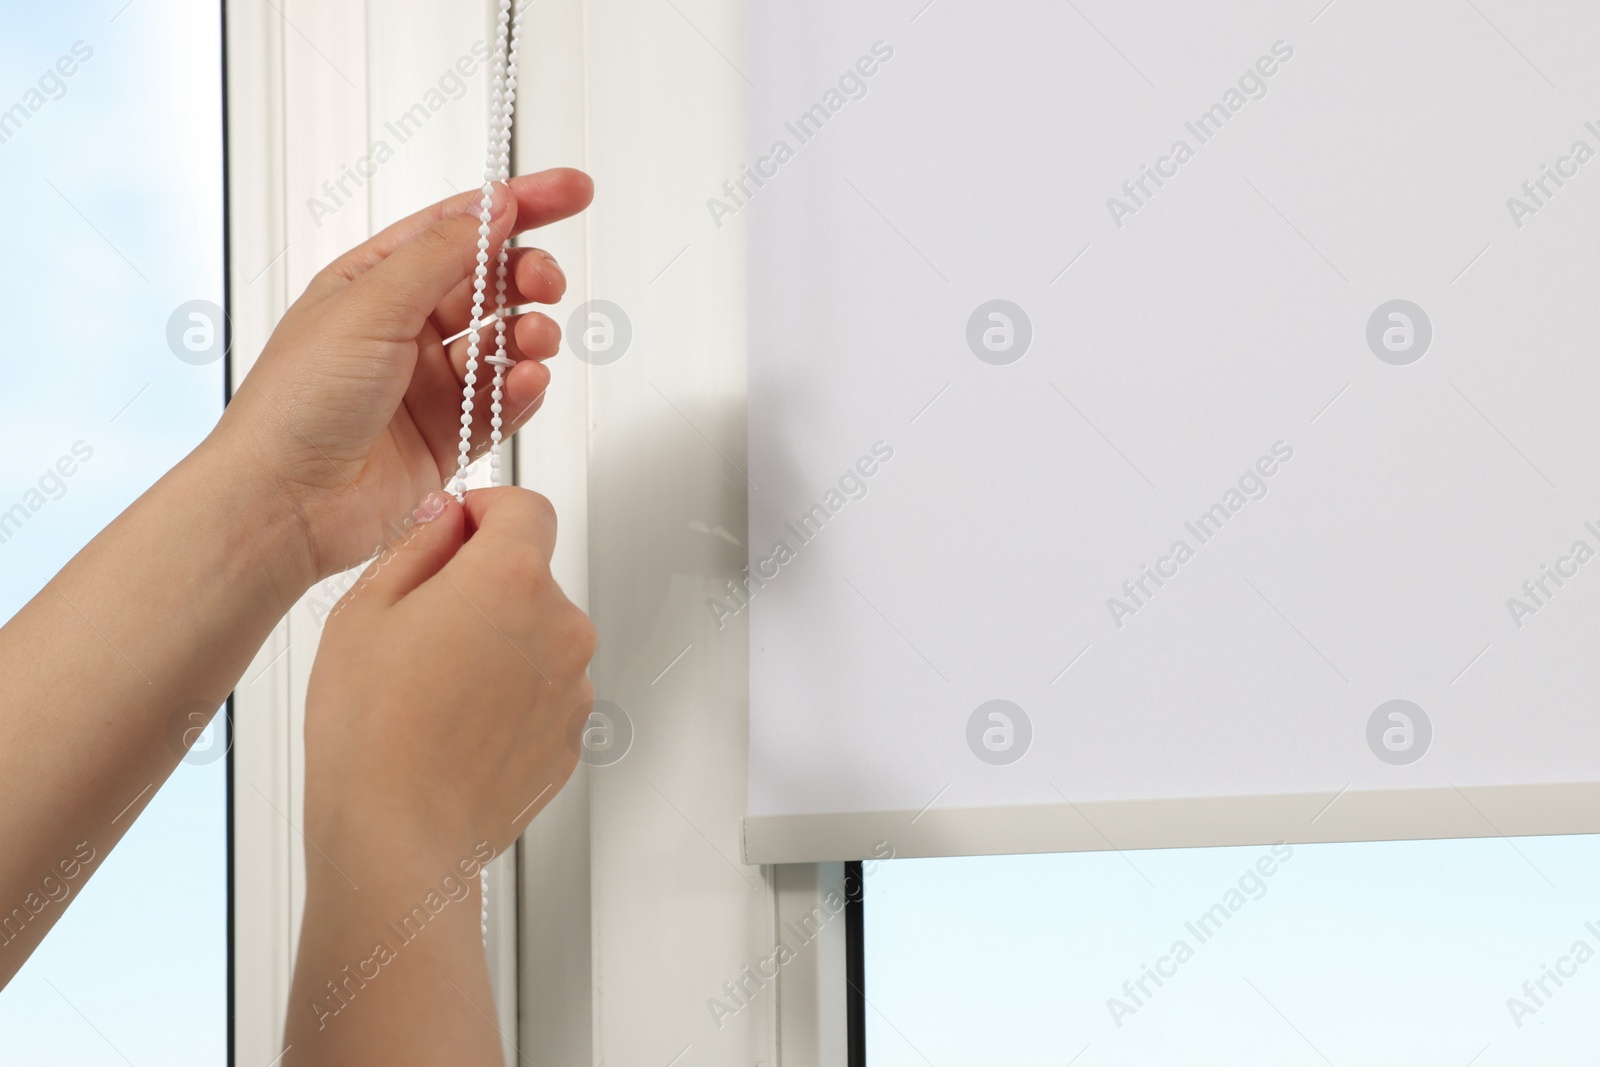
[[498, 168], [500, 361]]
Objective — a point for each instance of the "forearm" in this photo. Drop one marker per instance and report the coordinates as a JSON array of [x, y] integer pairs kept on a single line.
[[160, 614], [431, 739], [391, 967]]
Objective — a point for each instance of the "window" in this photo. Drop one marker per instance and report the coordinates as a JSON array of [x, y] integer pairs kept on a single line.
[[111, 157], [1396, 953]]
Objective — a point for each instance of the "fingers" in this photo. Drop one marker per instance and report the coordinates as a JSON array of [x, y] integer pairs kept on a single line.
[[362, 258], [550, 196], [431, 538], [509, 523], [433, 398], [394, 300], [532, 277], [541, 199], [533, 335], [522, 394], [526, 384], [537, 335], [503, 570]]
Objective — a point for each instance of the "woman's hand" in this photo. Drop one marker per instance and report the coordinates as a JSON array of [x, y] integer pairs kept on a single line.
[[443, 714], [350, 416], [450, 685], [353, 411]]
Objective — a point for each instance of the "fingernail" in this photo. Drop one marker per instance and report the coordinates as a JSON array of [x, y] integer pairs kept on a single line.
[[548, 258], [431, 508]]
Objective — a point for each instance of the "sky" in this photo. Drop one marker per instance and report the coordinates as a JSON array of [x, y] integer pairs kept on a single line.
[[1389, 954], [115, 183]]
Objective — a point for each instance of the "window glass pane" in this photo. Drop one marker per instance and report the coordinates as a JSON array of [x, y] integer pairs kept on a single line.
[[1385, 955], [111, 164]]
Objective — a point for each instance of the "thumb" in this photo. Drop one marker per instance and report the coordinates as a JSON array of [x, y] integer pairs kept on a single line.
[[431, 539], [395, 298]]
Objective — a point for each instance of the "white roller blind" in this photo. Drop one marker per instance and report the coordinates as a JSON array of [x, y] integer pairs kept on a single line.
[[1170, 423]]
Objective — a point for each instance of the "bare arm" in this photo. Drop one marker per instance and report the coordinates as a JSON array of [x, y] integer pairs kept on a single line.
[[347, 420], [161, 612], [459, 663]]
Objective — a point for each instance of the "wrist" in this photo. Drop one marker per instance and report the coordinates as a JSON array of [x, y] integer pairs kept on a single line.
[[361, 875], [260, 525], [367, 975], [394, 841]]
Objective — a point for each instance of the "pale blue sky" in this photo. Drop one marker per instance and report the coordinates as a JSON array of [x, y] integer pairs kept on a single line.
[[116, 218], [1394, 954]]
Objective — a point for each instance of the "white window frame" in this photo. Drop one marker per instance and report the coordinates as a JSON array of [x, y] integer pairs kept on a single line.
[[293, 68], [628, 905]]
